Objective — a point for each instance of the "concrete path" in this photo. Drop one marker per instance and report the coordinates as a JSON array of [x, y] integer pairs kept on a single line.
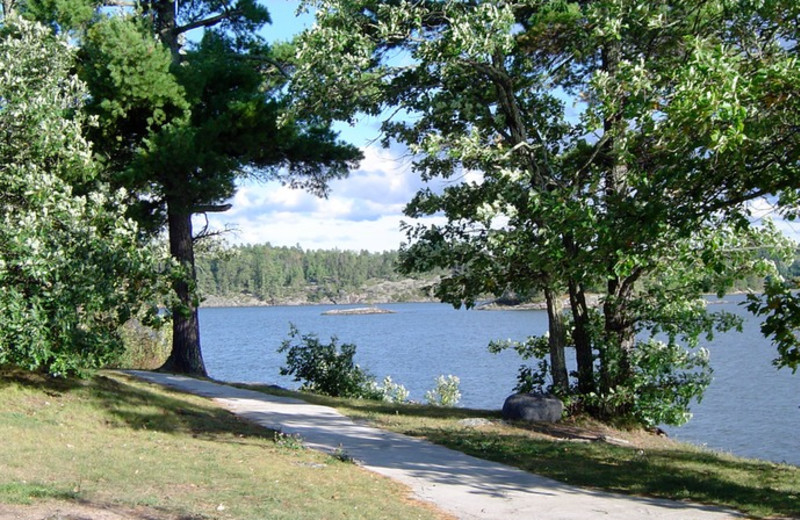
[[464, 486]]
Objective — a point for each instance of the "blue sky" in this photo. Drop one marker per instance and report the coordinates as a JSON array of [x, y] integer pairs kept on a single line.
[[363, 211]]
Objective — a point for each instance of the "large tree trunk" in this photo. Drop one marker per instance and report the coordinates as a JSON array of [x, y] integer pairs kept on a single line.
[[558, 361], [186, 356], [619, 338], [582, 338]]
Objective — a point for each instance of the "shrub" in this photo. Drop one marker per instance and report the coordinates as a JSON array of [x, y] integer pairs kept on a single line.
[[146, 348], [73, 266], [662, 381], [445, 393], [326, 369], [392, 392]]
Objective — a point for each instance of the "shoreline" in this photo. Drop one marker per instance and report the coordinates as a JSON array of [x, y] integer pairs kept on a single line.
[[244, 301]]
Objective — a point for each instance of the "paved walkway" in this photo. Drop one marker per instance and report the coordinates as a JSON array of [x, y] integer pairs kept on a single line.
[[465, 486]]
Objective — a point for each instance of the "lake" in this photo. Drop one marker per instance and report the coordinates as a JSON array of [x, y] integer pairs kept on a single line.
[[750, 409]]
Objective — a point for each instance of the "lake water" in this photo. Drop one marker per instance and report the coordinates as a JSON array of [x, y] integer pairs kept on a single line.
[[750, 409]]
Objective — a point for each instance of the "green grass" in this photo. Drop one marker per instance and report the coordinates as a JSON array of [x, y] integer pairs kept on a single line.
[[112, 441], [574, 452]]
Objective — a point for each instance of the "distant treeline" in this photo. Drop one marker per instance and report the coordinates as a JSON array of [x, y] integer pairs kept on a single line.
[[291, 274], [274, 274]]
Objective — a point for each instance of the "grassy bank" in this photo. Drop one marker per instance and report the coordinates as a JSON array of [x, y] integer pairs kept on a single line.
[[114, 443], [593, 455]]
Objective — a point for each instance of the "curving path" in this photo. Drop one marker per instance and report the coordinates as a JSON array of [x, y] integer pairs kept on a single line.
[[464, 486]]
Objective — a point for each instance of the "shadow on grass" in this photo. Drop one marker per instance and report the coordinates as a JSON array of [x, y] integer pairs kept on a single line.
[[594, 466], [138, 407], [746, 485], [52, 386], [24, 492], [756, 487]]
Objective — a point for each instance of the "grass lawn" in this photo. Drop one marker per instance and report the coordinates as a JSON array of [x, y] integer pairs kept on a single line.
[[590, 454], [112, 442]]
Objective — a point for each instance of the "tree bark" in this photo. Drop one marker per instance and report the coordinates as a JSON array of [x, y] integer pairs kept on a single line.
[[618, 336], [8, 8], [582, 338], [186, 356], [542, 179], [558, 361]]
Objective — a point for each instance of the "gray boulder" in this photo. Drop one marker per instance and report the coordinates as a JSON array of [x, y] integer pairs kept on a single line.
[[532, 408], [475, 422]]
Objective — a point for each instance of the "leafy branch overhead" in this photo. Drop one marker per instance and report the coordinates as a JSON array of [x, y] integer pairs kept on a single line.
[[604, 146]]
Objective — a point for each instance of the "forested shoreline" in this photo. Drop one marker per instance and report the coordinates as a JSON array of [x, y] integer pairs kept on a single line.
[[278, 275], [263, 274]]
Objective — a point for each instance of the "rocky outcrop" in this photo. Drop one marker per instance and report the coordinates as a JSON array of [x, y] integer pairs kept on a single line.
[[356, 312], [533, 408], [592, 300]]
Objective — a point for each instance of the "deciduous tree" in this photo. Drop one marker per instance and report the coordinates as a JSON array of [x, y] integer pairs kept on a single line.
[[73, 266], [613, 146]]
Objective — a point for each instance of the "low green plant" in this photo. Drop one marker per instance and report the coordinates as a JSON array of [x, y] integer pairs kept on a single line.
[[288, 441], [666, 378], [330, 369], [326, 368], [145, 347], [392, 392], [530, 379], [341, 455], [445, 393]]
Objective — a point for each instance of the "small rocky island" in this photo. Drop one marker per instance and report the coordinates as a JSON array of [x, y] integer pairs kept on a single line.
[[357, 311]]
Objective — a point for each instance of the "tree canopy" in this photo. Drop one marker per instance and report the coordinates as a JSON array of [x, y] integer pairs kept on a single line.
[[612, 145], [73, 267], [187, 98]]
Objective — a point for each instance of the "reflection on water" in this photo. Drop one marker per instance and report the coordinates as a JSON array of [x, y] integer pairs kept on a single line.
[[750, 409]]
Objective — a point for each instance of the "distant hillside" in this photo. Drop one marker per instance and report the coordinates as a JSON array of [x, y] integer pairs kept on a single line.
[[269, 275]]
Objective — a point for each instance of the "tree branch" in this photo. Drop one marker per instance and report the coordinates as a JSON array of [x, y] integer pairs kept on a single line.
[[207, 22], [211, 208], [119, 3], [269, 61]]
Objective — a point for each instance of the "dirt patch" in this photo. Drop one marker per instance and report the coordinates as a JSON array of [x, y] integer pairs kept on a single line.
[[82, 511]]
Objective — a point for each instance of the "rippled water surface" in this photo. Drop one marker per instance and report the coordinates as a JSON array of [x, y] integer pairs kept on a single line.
[[750, 409]]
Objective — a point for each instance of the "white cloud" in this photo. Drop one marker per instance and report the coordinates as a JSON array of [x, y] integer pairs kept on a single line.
[[764, 209], [255, 197], [363, 211], [761, 208], [312, 232]]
